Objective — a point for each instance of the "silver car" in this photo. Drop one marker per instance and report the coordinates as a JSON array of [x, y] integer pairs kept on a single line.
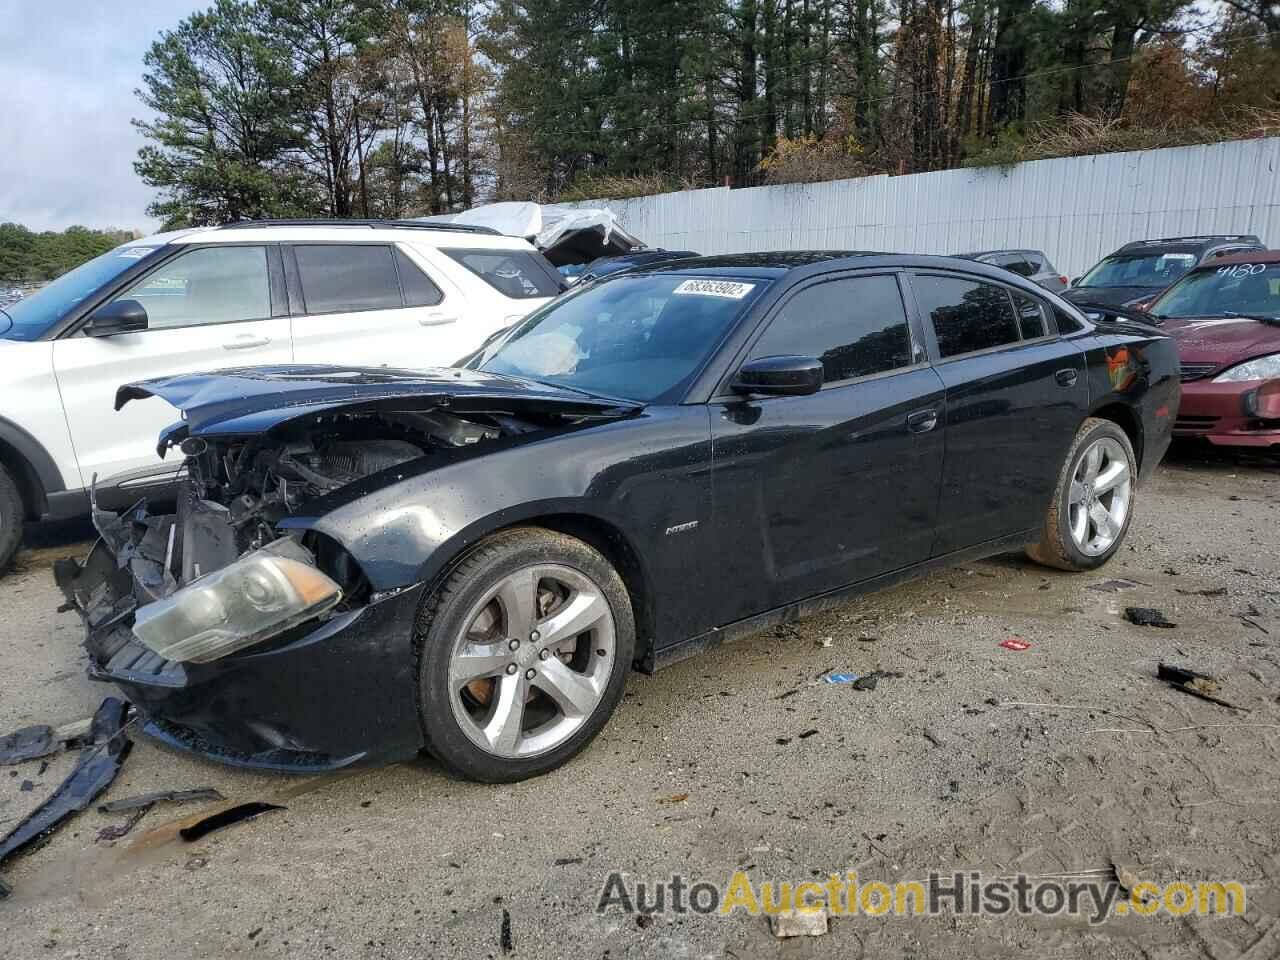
[[1032, 264]]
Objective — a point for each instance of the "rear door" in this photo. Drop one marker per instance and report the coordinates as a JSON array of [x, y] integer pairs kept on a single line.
[[371, 305], [1015, 395], [207, 308], [814, 492]]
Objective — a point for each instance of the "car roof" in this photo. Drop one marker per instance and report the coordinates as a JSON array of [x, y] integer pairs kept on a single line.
[[330, 231], [1249, 256], [1182, 244], [992, 253], [799, 264]]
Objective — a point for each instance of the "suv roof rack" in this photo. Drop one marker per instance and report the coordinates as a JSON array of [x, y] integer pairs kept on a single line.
[[366, 224], [1199, 238]]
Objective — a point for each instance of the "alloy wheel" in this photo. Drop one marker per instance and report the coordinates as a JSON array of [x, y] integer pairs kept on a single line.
[[1099, 495], [533, 661]]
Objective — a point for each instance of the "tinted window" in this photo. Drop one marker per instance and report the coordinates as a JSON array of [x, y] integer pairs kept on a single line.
[[640, 337], [966, 315], [419, 291], [337, 278], [36, 313], [1031, 318], [856, 327], [513, 273], [1067, 323], [1020, 265], [211, 285]]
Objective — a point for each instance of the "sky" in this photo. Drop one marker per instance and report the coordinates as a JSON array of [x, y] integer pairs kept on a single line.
[[68, 71]]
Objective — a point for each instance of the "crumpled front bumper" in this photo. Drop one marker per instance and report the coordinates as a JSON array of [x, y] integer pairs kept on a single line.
[[322, 696]]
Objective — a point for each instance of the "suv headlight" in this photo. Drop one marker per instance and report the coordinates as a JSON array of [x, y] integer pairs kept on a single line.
[[246, 602], [1260, 368]]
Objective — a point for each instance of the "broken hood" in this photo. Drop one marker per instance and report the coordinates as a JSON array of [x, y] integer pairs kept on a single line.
[[250, 401], [564, 234]]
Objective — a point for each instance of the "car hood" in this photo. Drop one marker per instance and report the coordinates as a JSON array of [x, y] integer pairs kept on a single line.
[[249, 401], [1222, 341], [1109, 296]]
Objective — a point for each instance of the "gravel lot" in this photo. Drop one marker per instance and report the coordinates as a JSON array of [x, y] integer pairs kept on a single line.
[[944, 768]]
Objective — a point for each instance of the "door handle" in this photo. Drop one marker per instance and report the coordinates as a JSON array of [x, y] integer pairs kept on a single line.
[[436, 320], [246, 343], [922, 421], [1067, 377]]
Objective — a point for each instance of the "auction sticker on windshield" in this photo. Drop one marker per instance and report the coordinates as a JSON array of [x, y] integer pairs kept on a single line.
[[729, 289]]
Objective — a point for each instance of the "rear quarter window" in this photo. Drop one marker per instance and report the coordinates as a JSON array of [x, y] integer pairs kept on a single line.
[[516, 274]]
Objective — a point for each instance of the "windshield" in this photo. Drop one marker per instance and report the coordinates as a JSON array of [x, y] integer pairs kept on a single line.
[[636, 337], [1240, 289], [35, 314], [1151, 270]]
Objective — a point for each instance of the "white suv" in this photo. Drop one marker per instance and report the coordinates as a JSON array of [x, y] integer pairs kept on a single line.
[[359, 293]]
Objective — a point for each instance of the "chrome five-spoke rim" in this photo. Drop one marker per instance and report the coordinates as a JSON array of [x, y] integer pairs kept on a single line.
[[1098, 501], [533, 661]]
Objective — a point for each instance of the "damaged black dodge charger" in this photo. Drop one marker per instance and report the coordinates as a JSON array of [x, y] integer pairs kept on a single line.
[[367, 563]]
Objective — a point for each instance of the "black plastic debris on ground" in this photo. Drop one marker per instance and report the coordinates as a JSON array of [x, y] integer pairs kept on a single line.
[[1147, 617], [1199, 685], [868, 681], [505, 943], [96, 767], [226, 818], [160, 796], [29, 743]]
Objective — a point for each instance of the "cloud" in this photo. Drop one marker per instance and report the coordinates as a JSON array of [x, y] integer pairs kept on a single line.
[[68, 71]]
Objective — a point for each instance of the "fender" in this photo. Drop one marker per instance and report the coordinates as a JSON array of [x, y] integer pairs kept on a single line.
[[626, 477], [37, 470]]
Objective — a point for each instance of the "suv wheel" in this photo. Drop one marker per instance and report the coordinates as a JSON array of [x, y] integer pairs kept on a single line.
[[1093, 504], [523, 655], [11, 517]]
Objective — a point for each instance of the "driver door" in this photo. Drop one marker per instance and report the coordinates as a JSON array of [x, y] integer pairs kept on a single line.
[[816, 492]]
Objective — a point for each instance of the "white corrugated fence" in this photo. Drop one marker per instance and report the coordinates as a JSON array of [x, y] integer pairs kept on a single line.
[[1077, 209]]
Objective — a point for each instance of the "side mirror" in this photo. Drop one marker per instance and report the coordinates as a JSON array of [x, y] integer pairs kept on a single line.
[[116, 317], [1075, 281], [779, 376]]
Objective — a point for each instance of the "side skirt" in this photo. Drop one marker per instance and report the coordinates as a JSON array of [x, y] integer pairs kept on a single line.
[[655, 660]]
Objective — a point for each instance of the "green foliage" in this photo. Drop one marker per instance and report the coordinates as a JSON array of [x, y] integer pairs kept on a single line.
[[28, 256], [226, 141]]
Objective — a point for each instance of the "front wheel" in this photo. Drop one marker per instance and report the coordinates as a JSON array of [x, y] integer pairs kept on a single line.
[[1093, 502], [523, 655], [12, 514]]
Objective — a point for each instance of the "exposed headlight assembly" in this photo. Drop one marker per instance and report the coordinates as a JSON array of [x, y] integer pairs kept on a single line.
[[246, 602], [1260, 368]]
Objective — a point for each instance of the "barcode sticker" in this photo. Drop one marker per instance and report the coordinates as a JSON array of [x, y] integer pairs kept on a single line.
[[729, 289]]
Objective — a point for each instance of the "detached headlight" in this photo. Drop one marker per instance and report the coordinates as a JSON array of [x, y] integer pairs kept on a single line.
[[242, 604], [1262, 368]]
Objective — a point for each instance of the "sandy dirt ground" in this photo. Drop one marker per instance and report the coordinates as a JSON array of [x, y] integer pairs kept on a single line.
[[1062, 758]]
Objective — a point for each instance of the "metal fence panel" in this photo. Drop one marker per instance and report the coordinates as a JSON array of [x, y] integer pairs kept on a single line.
[[1076, 209]]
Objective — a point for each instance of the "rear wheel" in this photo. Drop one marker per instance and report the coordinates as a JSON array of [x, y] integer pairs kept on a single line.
[[1093, 504], [524, 653], [11, 516]]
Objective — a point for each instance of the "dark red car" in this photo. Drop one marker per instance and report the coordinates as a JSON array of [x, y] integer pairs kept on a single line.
[[1225, 318]]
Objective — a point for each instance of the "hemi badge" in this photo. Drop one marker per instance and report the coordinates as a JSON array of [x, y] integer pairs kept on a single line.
[[682, 527]]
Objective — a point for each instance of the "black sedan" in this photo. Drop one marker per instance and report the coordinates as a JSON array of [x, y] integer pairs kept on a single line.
[[368, 563]]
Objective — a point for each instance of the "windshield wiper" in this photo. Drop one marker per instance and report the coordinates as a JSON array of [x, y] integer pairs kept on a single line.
[[1251, 316]]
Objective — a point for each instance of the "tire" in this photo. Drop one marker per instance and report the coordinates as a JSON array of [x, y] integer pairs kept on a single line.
[[1061, 544], [12, 514], [564, 687]]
